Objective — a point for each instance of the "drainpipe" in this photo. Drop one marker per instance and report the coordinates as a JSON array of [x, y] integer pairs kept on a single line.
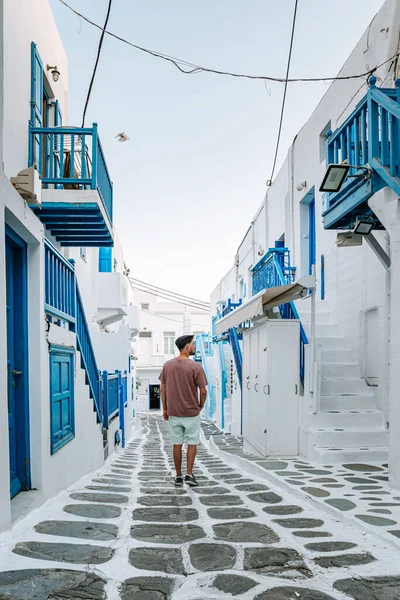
[[387, 208], [312, 353], [394, 371], [386, 325]]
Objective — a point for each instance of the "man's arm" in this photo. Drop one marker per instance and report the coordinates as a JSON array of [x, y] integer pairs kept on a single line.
[[164, 401], [203, 397]]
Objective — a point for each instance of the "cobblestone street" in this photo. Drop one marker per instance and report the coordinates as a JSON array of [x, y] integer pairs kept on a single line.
[[125, 532]]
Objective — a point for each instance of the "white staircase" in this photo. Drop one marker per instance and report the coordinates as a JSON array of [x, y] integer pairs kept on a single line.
[[347, 427]]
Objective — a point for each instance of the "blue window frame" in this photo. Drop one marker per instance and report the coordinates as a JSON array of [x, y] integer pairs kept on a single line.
[[36, 106], [62, 418]]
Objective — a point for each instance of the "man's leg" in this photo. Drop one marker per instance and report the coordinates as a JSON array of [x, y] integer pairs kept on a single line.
[[191, 455], [178, 459]]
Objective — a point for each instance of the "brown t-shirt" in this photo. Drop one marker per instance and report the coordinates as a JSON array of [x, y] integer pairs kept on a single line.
[[182, 378]]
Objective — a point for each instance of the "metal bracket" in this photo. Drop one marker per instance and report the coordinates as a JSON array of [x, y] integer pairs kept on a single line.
[[379, 251]]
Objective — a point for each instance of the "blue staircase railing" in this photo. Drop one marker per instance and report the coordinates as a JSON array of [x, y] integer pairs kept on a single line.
[[71, 158], [237, 352], [274, 270], [88, 357], [224, 381], [202, 354], [370, 137], [60, 292]]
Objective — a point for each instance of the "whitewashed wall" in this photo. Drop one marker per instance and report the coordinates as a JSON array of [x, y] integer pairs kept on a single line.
[[26, 22], [355, 282]]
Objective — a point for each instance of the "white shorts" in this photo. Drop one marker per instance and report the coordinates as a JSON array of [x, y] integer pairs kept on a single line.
[[185, 429]]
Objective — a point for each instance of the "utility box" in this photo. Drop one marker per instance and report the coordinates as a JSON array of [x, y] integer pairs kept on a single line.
[[271, 385]]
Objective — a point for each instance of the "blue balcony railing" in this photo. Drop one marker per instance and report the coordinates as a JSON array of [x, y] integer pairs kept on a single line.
[[274, 270], [71, 158], [265, 274], [370, 137]]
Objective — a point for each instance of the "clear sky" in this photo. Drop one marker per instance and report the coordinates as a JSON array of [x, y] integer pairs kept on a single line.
[[193, 174]]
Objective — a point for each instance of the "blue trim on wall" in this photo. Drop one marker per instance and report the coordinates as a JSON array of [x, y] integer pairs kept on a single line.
[[62, 388], [322, 277]]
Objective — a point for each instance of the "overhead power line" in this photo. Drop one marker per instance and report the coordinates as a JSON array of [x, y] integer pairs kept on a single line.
[[175, 320], [154, 287], [194, 68], [97, 62], [171, 299], [284, 93]]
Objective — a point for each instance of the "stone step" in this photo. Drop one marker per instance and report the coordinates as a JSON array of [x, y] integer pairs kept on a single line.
[[343, 386], [362, 454], [364, 401], [338, 370], [333, 342], [347, 419], [320, 316], [322, 330], [356, 436], [341, 355]]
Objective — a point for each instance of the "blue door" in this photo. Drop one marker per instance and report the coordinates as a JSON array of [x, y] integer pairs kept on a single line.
[[311, 236], [18, 428]]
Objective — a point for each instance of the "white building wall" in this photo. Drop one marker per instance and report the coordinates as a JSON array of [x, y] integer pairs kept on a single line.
[[159, 318], [26, 22], [355, 281]]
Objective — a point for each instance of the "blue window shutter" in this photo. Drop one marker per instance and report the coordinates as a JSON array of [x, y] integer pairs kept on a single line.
[[36, 104], [105, 260], [61, 396]]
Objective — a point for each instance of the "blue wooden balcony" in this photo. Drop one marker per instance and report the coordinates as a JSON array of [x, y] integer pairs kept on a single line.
[[77, 194], [370, 137]]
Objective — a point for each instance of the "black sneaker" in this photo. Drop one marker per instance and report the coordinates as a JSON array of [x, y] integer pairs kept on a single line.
[[191, 480], [179, 481]]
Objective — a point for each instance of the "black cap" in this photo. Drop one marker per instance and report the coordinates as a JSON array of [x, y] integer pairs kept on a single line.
[[183, 340]]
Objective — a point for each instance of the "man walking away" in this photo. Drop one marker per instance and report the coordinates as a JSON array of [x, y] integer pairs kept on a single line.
[[181, 379]]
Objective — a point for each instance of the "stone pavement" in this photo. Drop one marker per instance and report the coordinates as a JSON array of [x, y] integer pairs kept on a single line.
[[355, 492], [125, 533]]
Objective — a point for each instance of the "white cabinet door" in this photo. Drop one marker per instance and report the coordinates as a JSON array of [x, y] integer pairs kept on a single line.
[[284, 339], [246, 386], [262, 396]]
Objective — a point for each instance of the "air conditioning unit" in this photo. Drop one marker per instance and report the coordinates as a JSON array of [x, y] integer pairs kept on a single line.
[[28, 184]]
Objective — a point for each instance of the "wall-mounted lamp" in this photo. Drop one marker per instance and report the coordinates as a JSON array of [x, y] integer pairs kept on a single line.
[[301, 186], [54, 72], [336, 174], [363, 226]]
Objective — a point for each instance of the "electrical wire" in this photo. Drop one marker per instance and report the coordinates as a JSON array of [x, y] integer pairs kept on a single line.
[[284, 94], [97, 62], [171, 299], [174, 320], [193, 68], [154, 287], [159, 295]]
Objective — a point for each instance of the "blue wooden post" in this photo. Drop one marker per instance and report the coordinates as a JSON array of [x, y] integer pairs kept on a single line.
[[105, 399], [373, 124], [121, 405], [94, 156]]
